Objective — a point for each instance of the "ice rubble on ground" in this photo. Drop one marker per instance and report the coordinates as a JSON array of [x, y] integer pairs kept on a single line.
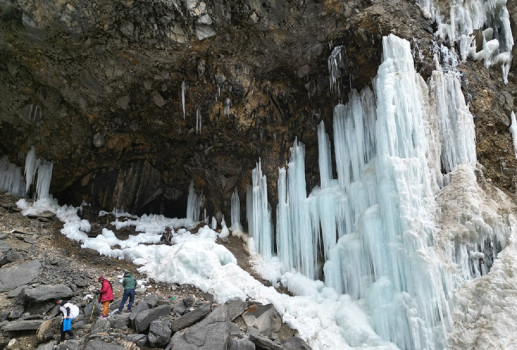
[[460, 21]]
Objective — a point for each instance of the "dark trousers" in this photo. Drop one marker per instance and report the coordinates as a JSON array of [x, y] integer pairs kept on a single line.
[[128, 293], [63, 333]]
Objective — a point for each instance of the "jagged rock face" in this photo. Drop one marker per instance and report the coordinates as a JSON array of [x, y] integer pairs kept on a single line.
[[96, 86]]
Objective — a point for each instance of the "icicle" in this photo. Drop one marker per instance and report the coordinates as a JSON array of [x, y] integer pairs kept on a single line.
[[236, 212], [334, 62], [183, 97], [513, 131], [259, 215], [194, 203], [198, 121], [43, 182], [324, 158], [11, 179], [214, 223], [31, 165], [227, 105]]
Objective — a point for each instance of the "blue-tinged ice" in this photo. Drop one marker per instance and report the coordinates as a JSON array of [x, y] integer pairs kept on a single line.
[[258, 209], [194, 203]]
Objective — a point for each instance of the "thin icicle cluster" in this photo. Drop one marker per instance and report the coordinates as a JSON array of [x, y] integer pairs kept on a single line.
[[513, 130], [236, 212], [12, 181], [198, 121], [183, 98], [334, 65], [458, 20]]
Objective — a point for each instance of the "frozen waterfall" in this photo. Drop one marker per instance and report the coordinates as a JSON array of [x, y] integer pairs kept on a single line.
[[384, 231]]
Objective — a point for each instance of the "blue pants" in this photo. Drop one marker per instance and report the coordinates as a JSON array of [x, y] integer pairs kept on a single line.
[[127, 293]]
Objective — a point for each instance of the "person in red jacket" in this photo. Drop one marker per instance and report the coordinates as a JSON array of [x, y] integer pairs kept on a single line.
[[105, 296]]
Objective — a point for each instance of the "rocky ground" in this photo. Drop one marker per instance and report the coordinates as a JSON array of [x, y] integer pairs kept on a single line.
[[38, 264]]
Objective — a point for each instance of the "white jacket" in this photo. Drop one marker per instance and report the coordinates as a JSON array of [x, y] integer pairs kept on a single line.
[[69, 310]]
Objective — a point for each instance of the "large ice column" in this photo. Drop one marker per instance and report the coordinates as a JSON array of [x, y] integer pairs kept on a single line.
[[324, 156], [259, 214], [236, 212], [406, 209], [43, 181], [31, 165], [457, 135], [284, 234], [194, 203]]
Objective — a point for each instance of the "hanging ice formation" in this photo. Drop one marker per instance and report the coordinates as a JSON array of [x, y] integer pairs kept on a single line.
[[513, 130], [385, 229], [236, 212], [258, 211], [12, 181], [198, 121], [458, 23], [194, 203]]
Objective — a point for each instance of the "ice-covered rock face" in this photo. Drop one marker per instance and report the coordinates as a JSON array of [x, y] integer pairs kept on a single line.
[[481, 28], [409, 218]]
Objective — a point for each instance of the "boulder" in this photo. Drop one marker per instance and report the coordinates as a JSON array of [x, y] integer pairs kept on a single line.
[[144, 318], [9, 257], [295, 343], [101, 325], [70, 344], [151, 300], [120, 321], [184, 304], [190, 317], [159, 333], [48, 329], [265, 343], [141, 306], [211, 333], [25, 325], [47, 292], [92, 310], [16, 291], [241, 344], [47, 346], [14, 276], [264, 318], [16, 312], [102, 345], [236, 307], [138, 339]]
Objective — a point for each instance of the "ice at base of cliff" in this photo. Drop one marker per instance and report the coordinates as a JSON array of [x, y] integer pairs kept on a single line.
[[326, 319]]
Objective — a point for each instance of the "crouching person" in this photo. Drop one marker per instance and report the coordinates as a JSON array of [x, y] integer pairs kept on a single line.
[[70, 311]]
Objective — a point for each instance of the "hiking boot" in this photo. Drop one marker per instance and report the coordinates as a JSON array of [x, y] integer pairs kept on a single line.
[[103, 316], [128, 310]]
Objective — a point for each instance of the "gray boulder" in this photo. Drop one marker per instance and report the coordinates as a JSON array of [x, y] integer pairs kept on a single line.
[[47, 292], [102, 345], [70, 344], [47, 346], [144, 318], [211, 333], [101, 325], [9, 257], [264, 318], [265, 343], [190, 318], [120, 321], [184, 305], [92, 310], [236, 307], [151, 300], [24, 325], [138, 308], [12, 277], [159, 333], [138, 339], [241, 344], [295, 343], [16, 291]]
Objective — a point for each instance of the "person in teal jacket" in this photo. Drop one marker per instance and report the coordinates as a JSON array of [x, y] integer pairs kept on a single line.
[[129, 284]]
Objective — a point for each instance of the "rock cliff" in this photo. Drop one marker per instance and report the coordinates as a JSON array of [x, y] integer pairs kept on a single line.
[[133, 100]]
